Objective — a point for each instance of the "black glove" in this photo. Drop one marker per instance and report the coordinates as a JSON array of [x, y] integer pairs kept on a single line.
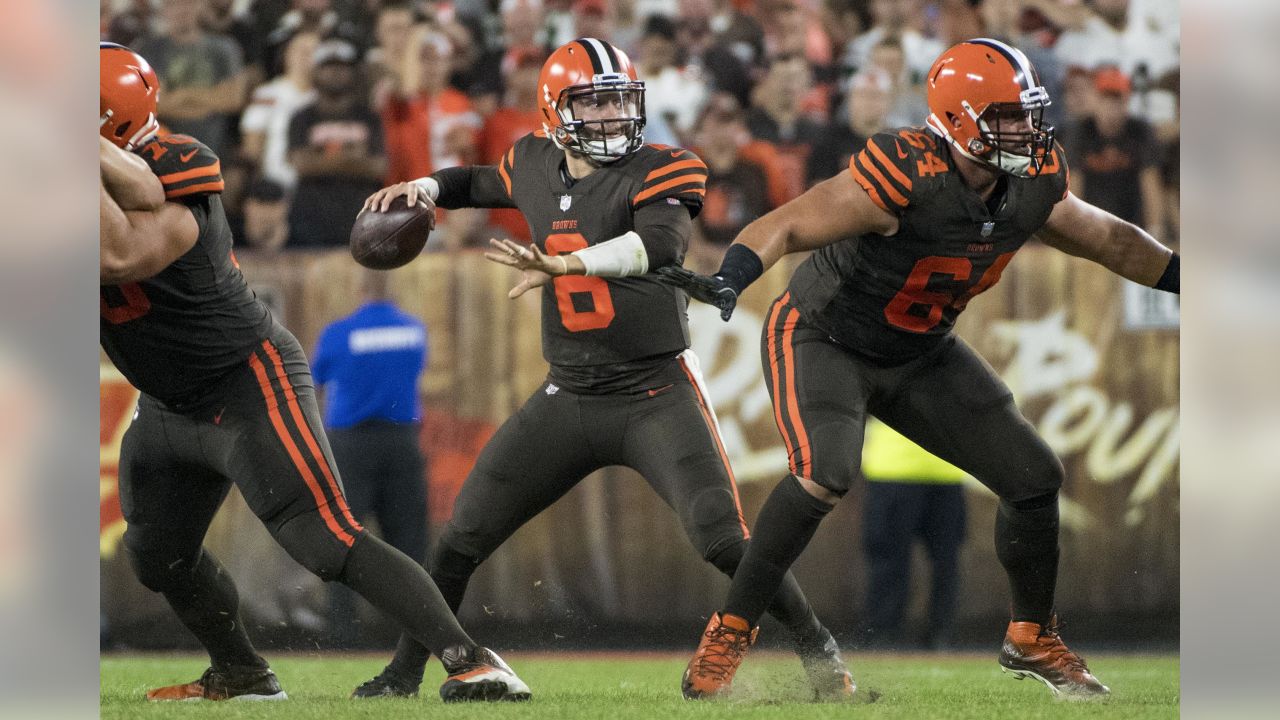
[[712, 290]]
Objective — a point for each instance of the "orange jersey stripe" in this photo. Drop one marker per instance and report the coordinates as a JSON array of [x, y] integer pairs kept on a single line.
[[793, 408], [777, 376], [273, 410], [682, 165], [894, 195], [709, 419], [296, 410], [866, 185], [673, 182], [502, 169], [191, 190], [207, 170], [887, 164]]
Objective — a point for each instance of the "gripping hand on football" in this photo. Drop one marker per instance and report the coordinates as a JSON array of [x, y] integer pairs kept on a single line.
[[710, 289]]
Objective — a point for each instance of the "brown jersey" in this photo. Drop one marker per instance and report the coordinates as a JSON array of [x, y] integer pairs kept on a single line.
[[603, 334], [173, 334], [893, 298]]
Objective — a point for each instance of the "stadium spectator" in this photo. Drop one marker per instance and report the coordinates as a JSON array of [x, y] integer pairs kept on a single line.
[[895, 19], [516, 117], [705, 52], [202, 75], [591, 19], [1116, 157], [674, 96], [368, 364], [336, 146], [776, 118], [736, 186], [790, 32], [264, 126], [911, 495], [266, 217], [314, 16], [1140, 37], [124, 22], [908, 104], [866, 111], [385, 60], [429, 124], [220, 17]]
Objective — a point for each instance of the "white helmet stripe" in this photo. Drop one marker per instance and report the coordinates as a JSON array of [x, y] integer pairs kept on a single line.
[[600, 52], [1016, 57]]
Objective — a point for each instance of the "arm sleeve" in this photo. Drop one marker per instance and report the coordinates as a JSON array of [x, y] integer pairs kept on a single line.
[[479, 186], [885, 168], [664, 229]]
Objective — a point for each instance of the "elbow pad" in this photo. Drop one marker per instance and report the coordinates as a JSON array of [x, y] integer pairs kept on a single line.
[[622, 256]]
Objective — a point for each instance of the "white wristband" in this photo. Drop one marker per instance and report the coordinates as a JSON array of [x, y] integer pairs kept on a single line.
[[622, 256], [430, 186]]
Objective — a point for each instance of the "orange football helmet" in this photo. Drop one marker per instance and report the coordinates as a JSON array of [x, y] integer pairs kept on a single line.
[[592, 101], [986, 99], [127, 96]]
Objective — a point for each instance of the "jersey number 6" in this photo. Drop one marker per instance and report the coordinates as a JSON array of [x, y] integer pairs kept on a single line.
[[601, 312]]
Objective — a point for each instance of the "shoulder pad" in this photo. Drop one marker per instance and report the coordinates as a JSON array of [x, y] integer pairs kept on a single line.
[[184, 165], [671, 173], [893, 165], [1055, 168]]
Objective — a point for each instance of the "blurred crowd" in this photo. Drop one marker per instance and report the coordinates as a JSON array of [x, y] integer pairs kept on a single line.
[[314, 104]]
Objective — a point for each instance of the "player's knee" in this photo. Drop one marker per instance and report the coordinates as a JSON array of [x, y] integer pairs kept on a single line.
[[159, 563], [313, 545], [714, 522], [449, 564], [1043, 478], [830, 466]]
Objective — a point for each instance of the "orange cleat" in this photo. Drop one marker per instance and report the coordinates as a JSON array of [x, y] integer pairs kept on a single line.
[[724, 643], [235, 684], [1036, 651]]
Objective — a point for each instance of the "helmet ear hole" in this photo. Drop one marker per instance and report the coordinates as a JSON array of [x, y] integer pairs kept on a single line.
[[954, 120], [122, 129]]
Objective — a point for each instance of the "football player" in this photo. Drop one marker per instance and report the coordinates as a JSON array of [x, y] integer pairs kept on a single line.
[[923, 220], [623, 387], [227, 398]]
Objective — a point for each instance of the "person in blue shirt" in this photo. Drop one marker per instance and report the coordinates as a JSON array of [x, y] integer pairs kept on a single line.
[[368, 364]]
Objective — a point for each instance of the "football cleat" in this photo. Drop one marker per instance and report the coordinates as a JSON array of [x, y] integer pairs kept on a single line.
[[828, 675], [387, 683], [723, 646], [479, 674], [231, 684], [1036, 651]]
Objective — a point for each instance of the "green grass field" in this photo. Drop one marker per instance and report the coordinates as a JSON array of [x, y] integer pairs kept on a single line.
[[619, 686]]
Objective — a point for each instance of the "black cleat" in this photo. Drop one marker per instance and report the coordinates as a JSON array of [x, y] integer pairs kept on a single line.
[[229, 684], [387, 683], [479, 674]]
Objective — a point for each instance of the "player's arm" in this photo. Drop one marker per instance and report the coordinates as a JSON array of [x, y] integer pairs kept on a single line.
[[137, 244], [128, 179], [1078, 228], [660, 238], [832, 210], [472, 186]]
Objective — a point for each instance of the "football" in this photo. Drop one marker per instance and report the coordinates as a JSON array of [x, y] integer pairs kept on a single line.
[[386, 240]]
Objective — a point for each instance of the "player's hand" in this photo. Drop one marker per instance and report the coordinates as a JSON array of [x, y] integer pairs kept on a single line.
[[412, 192], [536, 268], [710, 289]]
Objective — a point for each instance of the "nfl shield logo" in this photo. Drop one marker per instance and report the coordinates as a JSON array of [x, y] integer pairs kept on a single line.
[[565, 202]]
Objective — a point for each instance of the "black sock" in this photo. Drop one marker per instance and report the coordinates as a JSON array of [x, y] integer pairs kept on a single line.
[[402, 589], [209, 606], [786, 524], [451, 572], [1027, 545], [789, 606]]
